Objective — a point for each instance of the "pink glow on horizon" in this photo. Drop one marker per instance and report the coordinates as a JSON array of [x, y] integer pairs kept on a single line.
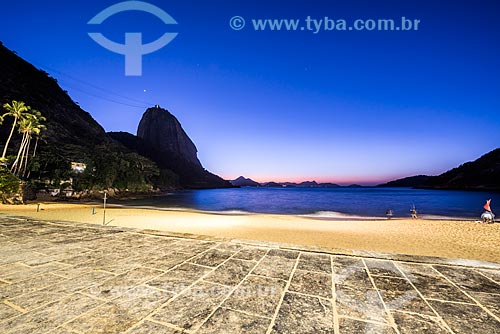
[[344, 181]]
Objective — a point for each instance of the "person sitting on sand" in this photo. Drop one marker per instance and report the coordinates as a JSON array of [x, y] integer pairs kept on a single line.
[[413, 212], [488, 216]]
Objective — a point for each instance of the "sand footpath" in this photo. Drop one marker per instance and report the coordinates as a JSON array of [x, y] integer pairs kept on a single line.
[[443, 238]]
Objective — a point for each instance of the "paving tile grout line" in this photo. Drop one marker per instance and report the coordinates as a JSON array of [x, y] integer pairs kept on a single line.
[[6, 282], [152, 313], [233, 289], [95, 297], [53, 302], [248, 313], [468, 295], [165, 324], [101, 302], [177, 266], [66, 329], [482, 274], [104, 301], [419, 259], [36, 290], [285, 290], [336, 320], [424, 299], [392, 323], [17, 262], [308, 295], [15, 307], [374, 322], [451, 301]]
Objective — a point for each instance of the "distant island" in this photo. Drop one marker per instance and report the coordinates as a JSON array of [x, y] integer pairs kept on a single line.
[[247, 182], [244, 182], [481, 174]]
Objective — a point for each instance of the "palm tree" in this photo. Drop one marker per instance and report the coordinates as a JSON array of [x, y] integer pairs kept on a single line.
[[30, 124], [16, 110], [38, 136], [24, 128], [36, 129]]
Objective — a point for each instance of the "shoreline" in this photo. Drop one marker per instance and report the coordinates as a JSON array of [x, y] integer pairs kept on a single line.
[[446, 238], [320, 215]]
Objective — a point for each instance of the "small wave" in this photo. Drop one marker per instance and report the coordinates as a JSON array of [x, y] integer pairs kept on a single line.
[[228, 212], [337, 215], [438, 217], [331, 215], [182, 209], [149, 207]]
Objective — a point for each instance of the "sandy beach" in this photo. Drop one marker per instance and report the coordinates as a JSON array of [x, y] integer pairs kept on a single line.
[[443, 238]]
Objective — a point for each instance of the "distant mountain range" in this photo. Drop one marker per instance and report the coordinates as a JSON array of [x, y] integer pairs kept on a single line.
[[481, 174], [246, 182]]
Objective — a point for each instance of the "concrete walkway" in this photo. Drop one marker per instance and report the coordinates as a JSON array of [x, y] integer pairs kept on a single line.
[[76, 278]]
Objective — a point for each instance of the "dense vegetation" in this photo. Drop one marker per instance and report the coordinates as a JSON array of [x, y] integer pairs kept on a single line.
[[108, 165], [29, 123], [56, 132], [9, 183]]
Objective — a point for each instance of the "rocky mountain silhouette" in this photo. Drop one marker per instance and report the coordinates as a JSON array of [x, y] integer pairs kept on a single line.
[[244, 182], [162, 131], [407, 182], [161, 138]]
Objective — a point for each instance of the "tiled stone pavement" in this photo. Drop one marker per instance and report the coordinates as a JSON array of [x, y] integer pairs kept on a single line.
[[62, 278]]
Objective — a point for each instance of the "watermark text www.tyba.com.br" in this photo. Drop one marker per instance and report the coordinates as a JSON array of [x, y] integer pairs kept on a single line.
[[325, 24]]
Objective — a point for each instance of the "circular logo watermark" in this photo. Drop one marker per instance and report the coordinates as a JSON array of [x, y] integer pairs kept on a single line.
[[133, 49]]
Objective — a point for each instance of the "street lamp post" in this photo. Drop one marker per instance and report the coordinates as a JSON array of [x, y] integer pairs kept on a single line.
[[104, 208]]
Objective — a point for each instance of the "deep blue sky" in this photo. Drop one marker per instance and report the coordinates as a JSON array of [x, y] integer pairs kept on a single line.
[[339, 106]]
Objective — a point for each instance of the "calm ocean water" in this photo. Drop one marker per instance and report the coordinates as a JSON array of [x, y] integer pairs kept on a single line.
[[329, 203]]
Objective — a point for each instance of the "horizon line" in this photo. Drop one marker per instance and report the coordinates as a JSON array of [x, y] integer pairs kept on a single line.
[[368, 183]]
